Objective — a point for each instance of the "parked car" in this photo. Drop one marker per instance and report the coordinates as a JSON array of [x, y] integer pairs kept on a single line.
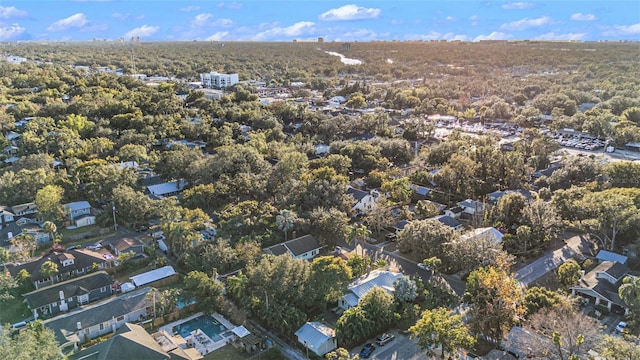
[[385, 339], [621, 326], [424, 266], [367, 350]]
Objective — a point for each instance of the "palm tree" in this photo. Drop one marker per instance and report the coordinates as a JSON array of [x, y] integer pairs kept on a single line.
[[50, 228], [236, 284], [285, 221], [357, 233], [26, 243]]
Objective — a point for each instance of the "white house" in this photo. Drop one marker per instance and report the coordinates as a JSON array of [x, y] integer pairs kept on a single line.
[[490, 233], [600, 286], [216, 80], [364, 201], [358, 288], [471, 207], [167, 189], [317, 337], [80, 214], [304, 247]]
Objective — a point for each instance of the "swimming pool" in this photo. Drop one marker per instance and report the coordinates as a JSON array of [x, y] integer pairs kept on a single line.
[[207, 324]]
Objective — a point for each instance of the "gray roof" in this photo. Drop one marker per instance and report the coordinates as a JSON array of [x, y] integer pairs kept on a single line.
[[356, 193], [78, 205], [602, 286], [130, 342], [400, 225], [604, 255], [315, 334], [66, 325], [82, 258], [78, 286], [296, 247], [376, 278], [448, 220], [167, 188], [153, 275], [31, 206]]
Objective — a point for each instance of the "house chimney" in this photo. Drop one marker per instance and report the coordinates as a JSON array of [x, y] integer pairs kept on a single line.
[[79, 325], [61, 294], [582, 274]]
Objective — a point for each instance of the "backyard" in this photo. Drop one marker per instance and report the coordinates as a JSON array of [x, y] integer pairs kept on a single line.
[[230, 353]]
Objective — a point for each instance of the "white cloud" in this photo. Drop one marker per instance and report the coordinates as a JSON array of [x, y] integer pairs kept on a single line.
[[358, 34], [200, 20], [583, 17], [474, 17], [297, 29], [350, 12], [8, 32], [142, 31], [567, 36], [519, 5], [396, 22], [218, 36], [190, 8], [11, 12], [434, 35], [74, 21], [234, 5], [120, 16], [623, 30], [526, 23], [450, 18], [496, 35]]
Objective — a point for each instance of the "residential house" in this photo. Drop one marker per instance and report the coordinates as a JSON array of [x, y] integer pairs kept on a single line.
[[6, 215], [471, 207], [400, 225], [166, 189], [317, 337], [11, 150], [79, 214], [78, 327], [123, 245], [23, 225], [421, 192], [13, 137], [217, 80], [448, 221], [496, 195], [364, 201], [358, 288], [600, 286], [132, 341], [66, 295], [604, 255], [25, 209], [490, 233], [70, 264], [454, 212], [304, 247]]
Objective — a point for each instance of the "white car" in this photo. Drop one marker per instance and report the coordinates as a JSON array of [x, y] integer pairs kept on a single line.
[[621, 326], [424, 266]]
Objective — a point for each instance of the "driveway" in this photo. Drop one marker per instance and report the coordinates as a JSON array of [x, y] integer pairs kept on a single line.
[[401, 348], [550, 261]]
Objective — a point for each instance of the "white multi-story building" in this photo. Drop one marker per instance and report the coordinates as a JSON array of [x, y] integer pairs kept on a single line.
[[216, 80]]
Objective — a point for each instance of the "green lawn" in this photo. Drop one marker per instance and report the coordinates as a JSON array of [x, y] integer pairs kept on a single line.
[[227, 353]]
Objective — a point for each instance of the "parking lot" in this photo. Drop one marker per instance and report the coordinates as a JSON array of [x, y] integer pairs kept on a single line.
[[401, 348]]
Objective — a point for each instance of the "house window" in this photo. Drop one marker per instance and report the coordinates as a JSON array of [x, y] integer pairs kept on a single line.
[[103, 289], [120, 318], [101, 326]]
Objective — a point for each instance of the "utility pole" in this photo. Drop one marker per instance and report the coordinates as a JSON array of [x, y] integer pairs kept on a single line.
[[115, 222]]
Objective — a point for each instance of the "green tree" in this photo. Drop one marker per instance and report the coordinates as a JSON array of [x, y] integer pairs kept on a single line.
[[205, 290], [49, 202], [329, 276], [340, 354], [34, 342], [25, 245], [537, 298], [405, 290], [328, 225], [611, 213], [359, 264], [569, 273], [441, 327], [629, 292], [48, 270], [7, 286], [619, 348], [425, 238]]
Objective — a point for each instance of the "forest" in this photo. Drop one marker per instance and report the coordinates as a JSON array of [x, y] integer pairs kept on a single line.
[[259, 179]]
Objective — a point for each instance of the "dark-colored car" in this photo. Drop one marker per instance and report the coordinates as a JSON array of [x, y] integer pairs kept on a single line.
[[384, 339], [367, 350]]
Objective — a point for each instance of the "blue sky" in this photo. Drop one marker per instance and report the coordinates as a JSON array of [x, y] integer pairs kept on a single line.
[[285, 20]]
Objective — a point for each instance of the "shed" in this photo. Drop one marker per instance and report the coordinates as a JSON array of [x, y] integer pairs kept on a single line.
[[152, 276]]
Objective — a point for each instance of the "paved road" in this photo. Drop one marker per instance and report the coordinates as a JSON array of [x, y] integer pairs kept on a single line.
[[401, 348], [549, 262]]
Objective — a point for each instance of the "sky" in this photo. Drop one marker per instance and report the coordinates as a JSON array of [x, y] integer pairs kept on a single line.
[[306, 20]]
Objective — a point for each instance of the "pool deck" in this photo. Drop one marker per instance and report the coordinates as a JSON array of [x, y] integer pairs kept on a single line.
[[199, 340]]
